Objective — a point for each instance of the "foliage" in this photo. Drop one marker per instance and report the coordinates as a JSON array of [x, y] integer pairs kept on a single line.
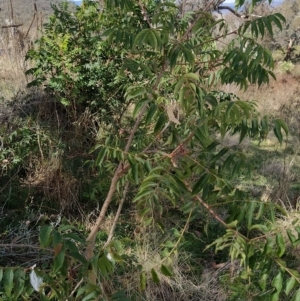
[[162, 71], [75, 63], [285, 67], [50, 282]]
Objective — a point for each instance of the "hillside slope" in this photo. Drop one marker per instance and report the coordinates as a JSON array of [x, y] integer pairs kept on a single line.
[[23, 10]]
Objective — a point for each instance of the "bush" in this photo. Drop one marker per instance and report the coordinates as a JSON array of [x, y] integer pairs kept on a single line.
[[77, 65]]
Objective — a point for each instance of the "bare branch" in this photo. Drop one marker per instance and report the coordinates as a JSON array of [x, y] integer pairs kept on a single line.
[[230, 9], [10, 26], [111, 233]]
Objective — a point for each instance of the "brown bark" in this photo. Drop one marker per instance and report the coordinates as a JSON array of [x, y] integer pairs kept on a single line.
[[120, 171]]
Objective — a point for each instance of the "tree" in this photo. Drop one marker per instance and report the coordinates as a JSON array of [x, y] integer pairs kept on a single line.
[[170, 149]]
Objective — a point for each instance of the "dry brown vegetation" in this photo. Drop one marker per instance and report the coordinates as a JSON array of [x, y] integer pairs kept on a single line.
[[28, 16], [23, 10]]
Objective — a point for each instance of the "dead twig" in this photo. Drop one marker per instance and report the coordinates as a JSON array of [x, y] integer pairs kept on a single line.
[[11, 26]]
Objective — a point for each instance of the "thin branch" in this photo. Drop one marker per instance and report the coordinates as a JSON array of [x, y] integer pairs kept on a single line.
[[10, 26], [75, 288], [213, 213], [24, 246], [230, 9], [33, 18], [11, 11], [120, 171], [180, 236], [113, 227], [145, 15], [207, 7]]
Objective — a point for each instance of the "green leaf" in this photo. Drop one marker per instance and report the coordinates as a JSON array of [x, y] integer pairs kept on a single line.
[[152, 110], [276, 20], [71, 246], [180, 183], [147, 166], [268, 25], [233, 224], [262, 228], [278, 282], [277, 131], [19, 283], [291, 236], [166, 271], [219, 155], [74, 236], [296, 296], [169, 244], [280, 16], [149, 36], [200, 183], [290, 283], [90, 296], [244, 130], [143, 193], [260, 211], [59, 260], [79, 257], [135, 173], [295, 273], [268, 248], [160, 123], [1, 274], [134, 92], [154, 276], [63, 228], [8, 281], [44, 236], [143, 281], [139, 105], [250, 212], [57, 238], [283, 125], [263, 281], [178, 86], [264, 127], [101, 156], [274, 296], [192, 76], [280, 243], [105, 266]]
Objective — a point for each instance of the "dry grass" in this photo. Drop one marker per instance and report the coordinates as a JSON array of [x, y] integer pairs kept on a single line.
[[13, 48], [290, 222], [270, 98], [54, 183], [184, 285]]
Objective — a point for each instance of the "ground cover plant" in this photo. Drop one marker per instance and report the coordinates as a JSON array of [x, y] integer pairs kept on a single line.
[[133, 111]]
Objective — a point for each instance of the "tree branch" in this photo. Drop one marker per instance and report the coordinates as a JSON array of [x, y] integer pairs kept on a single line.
[[11, 26], [112, 229], [230, 9], [120, 171]]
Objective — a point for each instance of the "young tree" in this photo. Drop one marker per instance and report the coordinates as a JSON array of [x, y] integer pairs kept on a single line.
[[169, 146]]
